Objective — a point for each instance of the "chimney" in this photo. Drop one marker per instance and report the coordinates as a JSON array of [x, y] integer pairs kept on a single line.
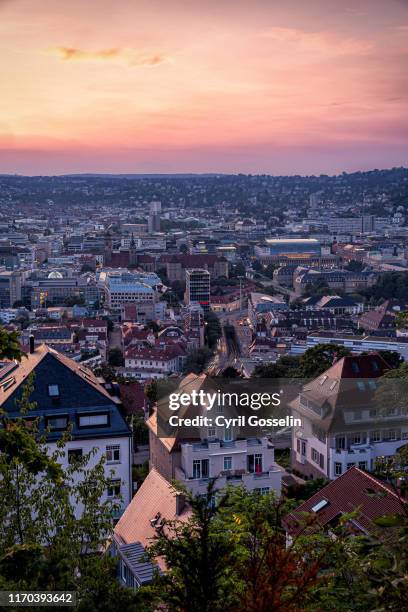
[[31, 340], [180, 503]]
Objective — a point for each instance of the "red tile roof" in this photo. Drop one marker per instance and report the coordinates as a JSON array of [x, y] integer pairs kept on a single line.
[[156, 497], [355, 489]]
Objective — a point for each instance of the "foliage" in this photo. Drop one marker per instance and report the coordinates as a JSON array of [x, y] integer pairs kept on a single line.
[[354, 266], [53, 520], [312, 363], [115, 358], [389, 285], [10, 345], [213, 329], [197, 360]]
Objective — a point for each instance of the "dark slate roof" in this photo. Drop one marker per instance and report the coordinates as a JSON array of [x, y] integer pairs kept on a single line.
[[79, 393], [132, 554]]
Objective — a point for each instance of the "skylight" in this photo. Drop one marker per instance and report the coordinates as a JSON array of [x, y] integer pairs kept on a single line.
[[320, 505]]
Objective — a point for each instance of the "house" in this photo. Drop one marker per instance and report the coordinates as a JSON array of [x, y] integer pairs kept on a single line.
[[154, 501], [342, 423], [354, 491], [68, 395], [234, 455]]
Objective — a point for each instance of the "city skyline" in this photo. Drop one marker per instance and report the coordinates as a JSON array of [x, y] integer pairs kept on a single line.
[[163, 87]]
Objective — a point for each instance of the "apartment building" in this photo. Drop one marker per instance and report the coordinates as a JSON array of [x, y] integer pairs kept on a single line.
[[68, 396], [233, 455], [343, 424]]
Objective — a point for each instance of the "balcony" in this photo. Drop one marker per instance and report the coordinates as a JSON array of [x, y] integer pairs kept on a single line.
[[268, 478]]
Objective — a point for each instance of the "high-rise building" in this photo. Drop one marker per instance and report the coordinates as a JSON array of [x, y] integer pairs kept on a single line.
[[153, 221], [198, 288]]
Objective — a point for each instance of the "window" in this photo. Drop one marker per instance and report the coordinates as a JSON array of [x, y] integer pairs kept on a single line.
[[362, 465], [113, 454], [212, 432], [114, 488], [357, 414], [218, 409], [200, 468], [356, 438], [355, 367], [391, 435], [338, 469], [304, 448], [53, 390], [298, 445], [315, 455], [227, 434], [262, 490], [340, 443], [74, 454], [126, 574], [321, 461], [375, 436], [372, 384], [254, 463], [56, 423], [227, 463], [361, 385], [350, 465], [91, 420]]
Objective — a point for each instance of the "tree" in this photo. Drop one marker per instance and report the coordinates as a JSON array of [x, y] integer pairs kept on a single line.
[[320, 358], [401, 320], [392, 358], [213, 329], [53, 522], [10, 347], [197, 553], [197, 360], [354, 266], [115, 357]]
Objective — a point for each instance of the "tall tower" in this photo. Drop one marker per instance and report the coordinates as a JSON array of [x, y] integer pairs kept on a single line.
[[107, 252], [132, 253]]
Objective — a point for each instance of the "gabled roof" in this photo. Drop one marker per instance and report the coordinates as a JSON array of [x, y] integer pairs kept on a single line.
[[341, 386], [155, 500], [354, 490], [79, 392]]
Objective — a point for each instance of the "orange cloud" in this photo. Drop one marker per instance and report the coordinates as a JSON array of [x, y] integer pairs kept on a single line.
[[130, 56]]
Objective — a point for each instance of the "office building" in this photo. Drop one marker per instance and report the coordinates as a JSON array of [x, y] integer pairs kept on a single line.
[[198, 288]]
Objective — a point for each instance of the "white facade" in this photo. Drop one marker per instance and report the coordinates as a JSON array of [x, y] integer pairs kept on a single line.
[[249, 462], [118, 467]]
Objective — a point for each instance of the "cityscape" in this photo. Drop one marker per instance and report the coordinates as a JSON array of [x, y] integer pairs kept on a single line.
[[203, 312]]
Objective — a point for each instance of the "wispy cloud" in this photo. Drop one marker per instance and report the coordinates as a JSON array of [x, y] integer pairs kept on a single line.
[[320, 42], [129, 56]]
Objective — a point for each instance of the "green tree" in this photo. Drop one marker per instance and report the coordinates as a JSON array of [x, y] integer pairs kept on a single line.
[[197, 360], [213, 329], [197, 553], [319, 358], [115, 357], [53, 522], [10, 347]]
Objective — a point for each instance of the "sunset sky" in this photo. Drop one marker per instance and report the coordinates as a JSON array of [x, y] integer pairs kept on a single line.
[[281, 87]]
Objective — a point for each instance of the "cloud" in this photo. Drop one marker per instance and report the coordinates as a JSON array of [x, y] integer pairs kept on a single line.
[[129, 56], [317, 42]]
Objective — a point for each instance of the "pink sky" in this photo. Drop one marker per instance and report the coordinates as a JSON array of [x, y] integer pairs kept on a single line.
[[301, 86]]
